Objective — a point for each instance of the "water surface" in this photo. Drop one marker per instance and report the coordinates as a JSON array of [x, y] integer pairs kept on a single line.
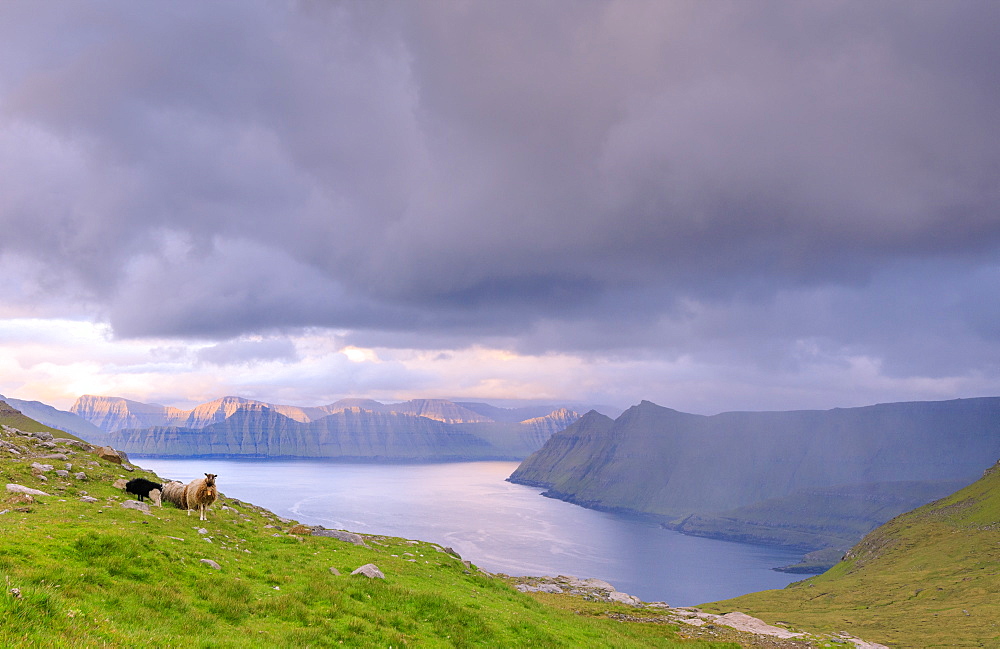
[[499, 526]]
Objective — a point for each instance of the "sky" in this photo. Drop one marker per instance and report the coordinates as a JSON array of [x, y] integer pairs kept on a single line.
[[710, 205]]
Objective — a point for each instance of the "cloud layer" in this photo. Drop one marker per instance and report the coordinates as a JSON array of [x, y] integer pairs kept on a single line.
[[724, 184]]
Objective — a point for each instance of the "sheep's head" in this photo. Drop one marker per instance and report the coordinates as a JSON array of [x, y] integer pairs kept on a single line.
[[210, 479]]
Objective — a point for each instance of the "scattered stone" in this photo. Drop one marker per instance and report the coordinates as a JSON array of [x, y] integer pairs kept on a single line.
[[349, 537], [452, 552], [334, 572], [62, 473], [73, 442], [16, 593], [211, 564], [544, 588], [35, 466], [54, 456], [202, 530], [43, 478], [21, 489], [88, 499], [135, 504], [80, 476], [120, 483], [369, 570], [286, 521], [47, 444], [42, 435], [300, 530]]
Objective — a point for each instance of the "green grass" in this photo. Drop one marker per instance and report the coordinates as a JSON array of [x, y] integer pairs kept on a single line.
[[929, 578], [98, 575], [10, 416]]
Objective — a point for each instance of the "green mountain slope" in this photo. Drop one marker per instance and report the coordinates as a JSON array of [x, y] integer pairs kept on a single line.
[[60, 419], [928, 578], [10, 416], [79, 569]]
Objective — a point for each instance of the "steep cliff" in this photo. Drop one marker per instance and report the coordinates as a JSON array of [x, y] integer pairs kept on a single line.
[[236, 426], [112, 413], [259, 431], [655, 460]]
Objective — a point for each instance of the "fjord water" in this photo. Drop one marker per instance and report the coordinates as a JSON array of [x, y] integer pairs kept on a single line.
[[499, 526]]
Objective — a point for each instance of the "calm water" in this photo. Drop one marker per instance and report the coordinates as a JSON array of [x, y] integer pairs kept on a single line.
[[499, 526]]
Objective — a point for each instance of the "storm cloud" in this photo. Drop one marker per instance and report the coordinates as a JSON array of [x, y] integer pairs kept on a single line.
[[729, 181]]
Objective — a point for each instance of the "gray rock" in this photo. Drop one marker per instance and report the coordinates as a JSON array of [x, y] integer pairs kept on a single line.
[[80, 476], [21, 489], [74, 442], [624, 598], [42, 435], [62, 473], [334, 572], [543, 588], [41, 467], [369, 570], [211, 564], [88, 499], [135, 504], [349, 537], [55, 456]]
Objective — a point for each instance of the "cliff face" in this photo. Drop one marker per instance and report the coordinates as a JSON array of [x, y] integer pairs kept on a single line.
[[349, 434], [371, 430], [659, 461]]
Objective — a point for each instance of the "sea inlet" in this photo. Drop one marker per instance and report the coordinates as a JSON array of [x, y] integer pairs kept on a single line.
[[499, 526]]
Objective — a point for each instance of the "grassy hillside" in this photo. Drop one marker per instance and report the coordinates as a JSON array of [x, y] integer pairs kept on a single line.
[[929, 578], [10, 416], [80, 570]]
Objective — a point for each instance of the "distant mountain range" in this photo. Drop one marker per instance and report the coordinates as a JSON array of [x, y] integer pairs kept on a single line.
[[805, 479], [356, 429], [58, 419]]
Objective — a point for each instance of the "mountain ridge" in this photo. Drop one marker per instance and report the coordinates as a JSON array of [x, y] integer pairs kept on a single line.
[[668, 465]]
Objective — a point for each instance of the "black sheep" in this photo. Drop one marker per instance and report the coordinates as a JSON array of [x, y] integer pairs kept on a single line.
[[141, 487]]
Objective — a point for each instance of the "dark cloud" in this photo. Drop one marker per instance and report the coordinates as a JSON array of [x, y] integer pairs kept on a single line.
[[249, 351], [723, 177]]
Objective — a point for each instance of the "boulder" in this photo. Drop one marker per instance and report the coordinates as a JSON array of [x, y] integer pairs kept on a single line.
[[109, 454], [369, 570], [41, 468], [42, 435], [21, 489], [349, 537], [135, 504], [624, 598]]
